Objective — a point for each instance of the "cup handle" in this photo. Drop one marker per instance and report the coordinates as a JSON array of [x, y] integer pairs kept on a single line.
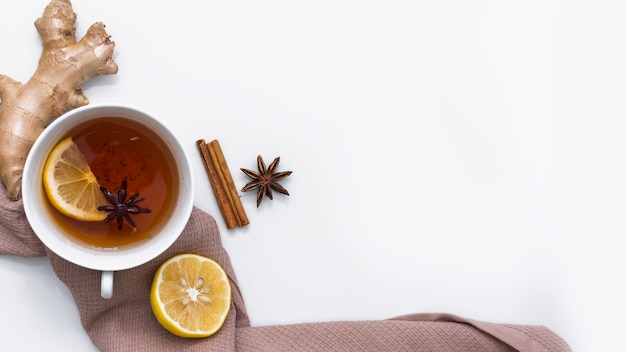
[[106, 284]]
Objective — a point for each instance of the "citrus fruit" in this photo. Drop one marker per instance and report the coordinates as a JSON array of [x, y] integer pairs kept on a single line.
[[191, 295], [70, 185]]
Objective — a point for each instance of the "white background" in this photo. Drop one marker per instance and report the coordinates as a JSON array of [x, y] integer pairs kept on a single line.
[[448, 156]]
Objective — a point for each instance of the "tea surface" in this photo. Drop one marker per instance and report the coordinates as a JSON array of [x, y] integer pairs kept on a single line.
[[118, 149]]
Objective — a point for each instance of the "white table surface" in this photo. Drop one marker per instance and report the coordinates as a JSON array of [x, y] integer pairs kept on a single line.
[[448, 156]]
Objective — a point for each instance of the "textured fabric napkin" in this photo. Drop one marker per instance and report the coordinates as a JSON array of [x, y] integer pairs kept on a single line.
[[126, 323]]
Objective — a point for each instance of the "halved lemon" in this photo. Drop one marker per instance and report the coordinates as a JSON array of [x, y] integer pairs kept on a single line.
[[191, 295], [70, 185]]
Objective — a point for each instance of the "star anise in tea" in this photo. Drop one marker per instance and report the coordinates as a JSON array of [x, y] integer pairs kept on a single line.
[[265, 180], [120, 208]]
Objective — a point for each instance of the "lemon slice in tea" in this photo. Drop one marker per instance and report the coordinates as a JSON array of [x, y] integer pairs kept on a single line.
[[70, 185], [191, 295]]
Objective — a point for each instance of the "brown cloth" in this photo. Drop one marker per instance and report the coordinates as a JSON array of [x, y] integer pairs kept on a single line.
[[126, 322]]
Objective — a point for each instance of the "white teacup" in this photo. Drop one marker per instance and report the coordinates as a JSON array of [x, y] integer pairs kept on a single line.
[[106, 260]]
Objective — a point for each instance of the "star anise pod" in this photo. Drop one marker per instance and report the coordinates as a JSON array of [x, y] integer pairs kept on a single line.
[[121, 208], [265, 180]]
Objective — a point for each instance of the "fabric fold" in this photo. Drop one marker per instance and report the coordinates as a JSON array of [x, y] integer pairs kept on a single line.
[[126, 322], [16, 236]]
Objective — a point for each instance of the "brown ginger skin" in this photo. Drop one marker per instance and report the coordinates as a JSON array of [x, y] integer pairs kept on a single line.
[[26, 109]]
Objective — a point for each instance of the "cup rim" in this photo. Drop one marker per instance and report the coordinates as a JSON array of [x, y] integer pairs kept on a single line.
[[103, 258]]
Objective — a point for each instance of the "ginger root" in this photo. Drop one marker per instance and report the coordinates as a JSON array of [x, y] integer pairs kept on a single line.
[[26, 109]]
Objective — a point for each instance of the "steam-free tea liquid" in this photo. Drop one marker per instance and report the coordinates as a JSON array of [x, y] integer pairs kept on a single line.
[[118, 149]]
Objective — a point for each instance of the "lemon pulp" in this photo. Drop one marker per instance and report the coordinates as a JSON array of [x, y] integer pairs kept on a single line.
[[70, 185], [191, 295]]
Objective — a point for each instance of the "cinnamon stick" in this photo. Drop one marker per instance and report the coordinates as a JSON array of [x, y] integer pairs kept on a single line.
[[222, 184], [227, 181]]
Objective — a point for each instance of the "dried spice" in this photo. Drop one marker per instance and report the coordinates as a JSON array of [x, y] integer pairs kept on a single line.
[[222, 183], [120, 208], [265, 180]]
